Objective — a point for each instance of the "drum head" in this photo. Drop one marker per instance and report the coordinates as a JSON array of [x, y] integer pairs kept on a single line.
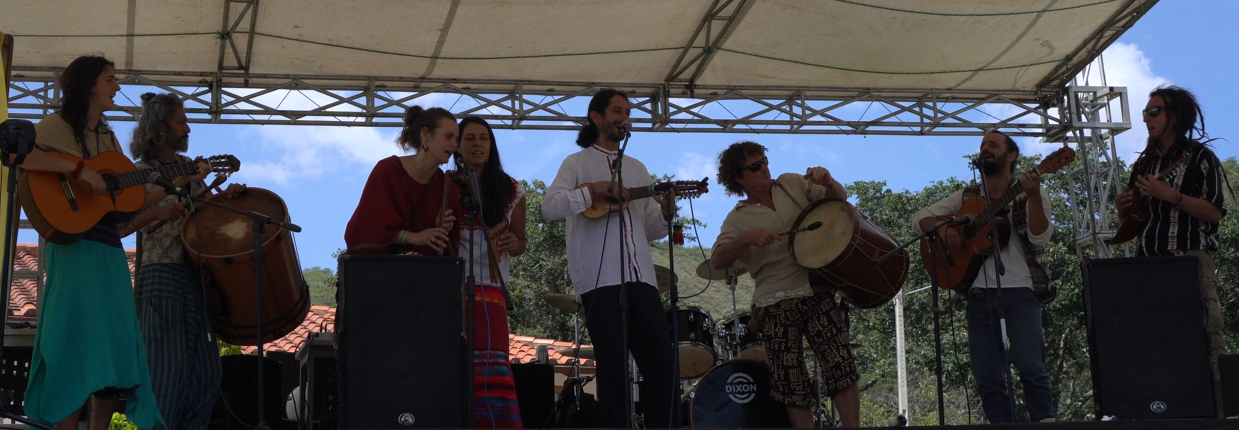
[[815, 249], [215, 232], [736, 394]]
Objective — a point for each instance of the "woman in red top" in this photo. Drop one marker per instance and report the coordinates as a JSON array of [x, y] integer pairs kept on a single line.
[[402, 208]]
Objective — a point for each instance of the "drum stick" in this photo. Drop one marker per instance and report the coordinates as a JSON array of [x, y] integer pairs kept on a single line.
[[810, 227], [215, 183]]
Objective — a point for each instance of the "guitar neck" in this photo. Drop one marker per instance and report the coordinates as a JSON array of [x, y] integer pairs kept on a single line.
[[138, 177], [997, 205], [638, 193]]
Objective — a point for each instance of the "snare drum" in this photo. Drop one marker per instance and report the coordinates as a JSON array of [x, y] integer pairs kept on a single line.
[[750, 345], [696, 343]]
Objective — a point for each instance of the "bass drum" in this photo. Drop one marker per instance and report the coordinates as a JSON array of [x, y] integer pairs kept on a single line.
[[224, 242], [734, 394]]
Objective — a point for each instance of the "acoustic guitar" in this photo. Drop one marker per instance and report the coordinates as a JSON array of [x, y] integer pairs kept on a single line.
[[606, 207], [62, 211], [976, 244], [1138, 215]]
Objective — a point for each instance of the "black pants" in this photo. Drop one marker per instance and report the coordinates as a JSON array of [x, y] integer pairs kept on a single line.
[[649, 340]]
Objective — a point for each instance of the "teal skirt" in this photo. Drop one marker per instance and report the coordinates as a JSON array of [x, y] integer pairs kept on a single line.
[[88, 337]]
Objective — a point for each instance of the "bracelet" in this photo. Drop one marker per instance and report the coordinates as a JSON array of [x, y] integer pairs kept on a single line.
[[400, 237], [1179, 204], [77, 171]]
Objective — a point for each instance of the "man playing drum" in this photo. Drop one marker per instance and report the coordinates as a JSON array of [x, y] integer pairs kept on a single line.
[[1025, 269], [180, 345], [787, 307]]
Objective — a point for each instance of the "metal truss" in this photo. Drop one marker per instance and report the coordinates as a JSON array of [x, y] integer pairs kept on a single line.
[[246, 98], [1094, 184]]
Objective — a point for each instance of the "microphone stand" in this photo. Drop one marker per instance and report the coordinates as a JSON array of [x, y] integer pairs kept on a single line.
[[676, 390], [931, 235], [259, 221], [6, 273], [617, 189], [999, 270]]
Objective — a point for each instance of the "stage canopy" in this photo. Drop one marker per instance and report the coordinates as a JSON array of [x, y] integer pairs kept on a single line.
[[798, 66]]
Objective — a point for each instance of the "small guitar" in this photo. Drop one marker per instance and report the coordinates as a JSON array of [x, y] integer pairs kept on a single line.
[[1138, 213], [688, 189], [61, 211], [976, 244]]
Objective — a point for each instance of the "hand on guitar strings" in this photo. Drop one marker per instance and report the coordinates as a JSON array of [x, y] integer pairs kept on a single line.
[[91, 181], [1151, 186], [760, 237], [603, 190], [204, 169]]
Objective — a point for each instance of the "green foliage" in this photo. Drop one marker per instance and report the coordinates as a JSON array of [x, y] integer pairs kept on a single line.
[[227, 348], [121, 422], [322, 284]]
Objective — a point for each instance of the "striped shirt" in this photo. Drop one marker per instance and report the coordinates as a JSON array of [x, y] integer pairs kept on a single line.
[[1171, 231]]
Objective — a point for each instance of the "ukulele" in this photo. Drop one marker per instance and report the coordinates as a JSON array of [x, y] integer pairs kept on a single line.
[[601, 208], [62, 211], [976, 244]]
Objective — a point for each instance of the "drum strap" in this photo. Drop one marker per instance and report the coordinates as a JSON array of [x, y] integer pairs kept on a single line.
[[789, 195]]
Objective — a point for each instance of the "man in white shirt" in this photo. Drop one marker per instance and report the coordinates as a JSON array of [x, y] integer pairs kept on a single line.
[[610, 255], [1024, 278]]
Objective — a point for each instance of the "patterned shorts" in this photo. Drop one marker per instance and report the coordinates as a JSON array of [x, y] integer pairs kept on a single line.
[[817, 318]]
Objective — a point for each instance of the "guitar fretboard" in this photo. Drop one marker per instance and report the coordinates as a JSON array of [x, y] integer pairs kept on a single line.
[[138, 177]]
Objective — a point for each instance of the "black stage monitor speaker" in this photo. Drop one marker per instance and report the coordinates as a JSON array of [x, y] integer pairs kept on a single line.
[[1230, 383], [238, 394], [535, 393], [1147, 340], [401, 365]]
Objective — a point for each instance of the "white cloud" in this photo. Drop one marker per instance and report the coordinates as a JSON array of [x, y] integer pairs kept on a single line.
[[694, 166], [310, 152], [1126, 65], [803, 149]]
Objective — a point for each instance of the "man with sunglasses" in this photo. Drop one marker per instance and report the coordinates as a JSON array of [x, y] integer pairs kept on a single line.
[[787, 306], [1184, 181], [1005, 307]]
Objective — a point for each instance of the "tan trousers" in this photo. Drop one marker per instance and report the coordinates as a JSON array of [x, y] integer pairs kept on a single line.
[[1213, 320]]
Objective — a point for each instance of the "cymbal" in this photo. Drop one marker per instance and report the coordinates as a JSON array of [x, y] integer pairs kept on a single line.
[[665, 278], [563, 302], [705, 271], [586, 352]]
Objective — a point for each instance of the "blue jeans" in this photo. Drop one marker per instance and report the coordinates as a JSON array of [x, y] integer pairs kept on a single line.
[[1023, 315]]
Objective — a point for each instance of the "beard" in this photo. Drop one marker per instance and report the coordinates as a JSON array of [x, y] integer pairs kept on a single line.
[[614, 134], [181, 144], [994, 166]]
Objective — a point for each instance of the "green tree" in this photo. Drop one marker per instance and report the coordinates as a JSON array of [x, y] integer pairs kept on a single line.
[[322, 283]]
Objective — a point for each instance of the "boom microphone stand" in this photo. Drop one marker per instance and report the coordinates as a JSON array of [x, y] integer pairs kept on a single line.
[[23, 136], [931, 235], [259, 222]]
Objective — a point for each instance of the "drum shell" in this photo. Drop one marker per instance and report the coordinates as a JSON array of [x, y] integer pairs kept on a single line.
[[750, 346], [695, 341], [226, 251], [853, 272], [717, 401]]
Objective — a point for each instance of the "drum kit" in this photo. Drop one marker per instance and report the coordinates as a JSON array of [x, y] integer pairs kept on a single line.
[[725, 364]]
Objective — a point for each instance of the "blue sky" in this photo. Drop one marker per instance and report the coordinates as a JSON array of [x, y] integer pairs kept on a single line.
[[320, 171]]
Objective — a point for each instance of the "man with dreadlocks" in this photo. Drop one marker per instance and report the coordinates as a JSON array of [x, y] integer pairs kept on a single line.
[[184, 360], [1183, 179]]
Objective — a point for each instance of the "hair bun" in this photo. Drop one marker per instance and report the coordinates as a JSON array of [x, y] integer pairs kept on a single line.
[[146, 97]]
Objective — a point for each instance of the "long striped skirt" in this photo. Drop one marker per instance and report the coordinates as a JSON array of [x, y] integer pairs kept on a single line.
[[494, 392]]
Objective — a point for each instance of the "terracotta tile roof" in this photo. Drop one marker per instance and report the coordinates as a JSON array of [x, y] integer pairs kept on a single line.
[[23, 303]]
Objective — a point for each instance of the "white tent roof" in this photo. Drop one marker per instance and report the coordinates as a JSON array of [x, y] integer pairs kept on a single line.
[[990, 45]]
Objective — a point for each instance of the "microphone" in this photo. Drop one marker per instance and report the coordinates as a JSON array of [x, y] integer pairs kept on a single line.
[[976, 162], [624, 127], [168, 186], [964, 220], [461, 165]]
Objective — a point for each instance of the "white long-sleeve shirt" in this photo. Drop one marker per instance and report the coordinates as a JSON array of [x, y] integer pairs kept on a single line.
[[1017, 274], [595, 241]]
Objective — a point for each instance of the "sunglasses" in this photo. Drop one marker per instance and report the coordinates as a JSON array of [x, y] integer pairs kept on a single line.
[[1153, 111], [756, 166]]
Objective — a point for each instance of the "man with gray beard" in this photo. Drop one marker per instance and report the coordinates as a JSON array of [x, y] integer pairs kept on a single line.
[[181, 349]]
